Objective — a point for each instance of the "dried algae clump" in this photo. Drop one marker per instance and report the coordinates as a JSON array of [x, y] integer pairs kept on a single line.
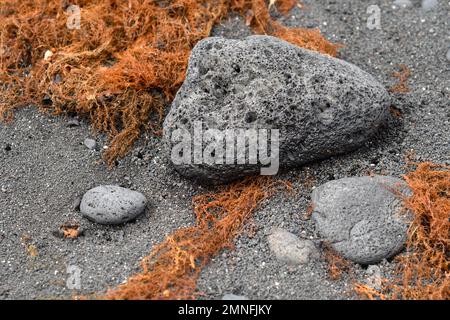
[[284, 6], [336, 264], [402, 76], [123, 64], [424, 269], [368, 292], [172, 268]]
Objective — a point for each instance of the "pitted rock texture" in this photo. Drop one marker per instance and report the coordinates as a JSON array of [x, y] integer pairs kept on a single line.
[[112, 204], [361, 217], [322, 106]]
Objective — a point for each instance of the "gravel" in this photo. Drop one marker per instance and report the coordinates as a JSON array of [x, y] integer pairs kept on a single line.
[[47, 167]]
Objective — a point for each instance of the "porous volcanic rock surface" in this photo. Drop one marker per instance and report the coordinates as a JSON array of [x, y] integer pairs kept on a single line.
[[321, 106], [45, 167]]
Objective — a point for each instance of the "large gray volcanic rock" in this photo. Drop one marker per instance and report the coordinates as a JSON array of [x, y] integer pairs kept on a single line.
[[361, 217], [322, 106]]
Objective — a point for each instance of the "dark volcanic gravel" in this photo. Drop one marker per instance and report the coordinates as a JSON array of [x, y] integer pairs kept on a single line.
[[45, 168]]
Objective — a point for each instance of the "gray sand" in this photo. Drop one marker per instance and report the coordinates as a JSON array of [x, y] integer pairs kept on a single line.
[[46, 167]]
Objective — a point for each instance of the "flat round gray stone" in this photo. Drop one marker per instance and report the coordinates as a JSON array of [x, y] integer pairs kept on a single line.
[[321, 106], [112, 204], [361, 217], [287, 247]]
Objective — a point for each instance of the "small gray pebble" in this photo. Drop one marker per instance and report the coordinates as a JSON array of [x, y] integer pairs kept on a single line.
[[76, 203], [374, 279], [289, 248], [90, 143], [112, 204], [73, 123]]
